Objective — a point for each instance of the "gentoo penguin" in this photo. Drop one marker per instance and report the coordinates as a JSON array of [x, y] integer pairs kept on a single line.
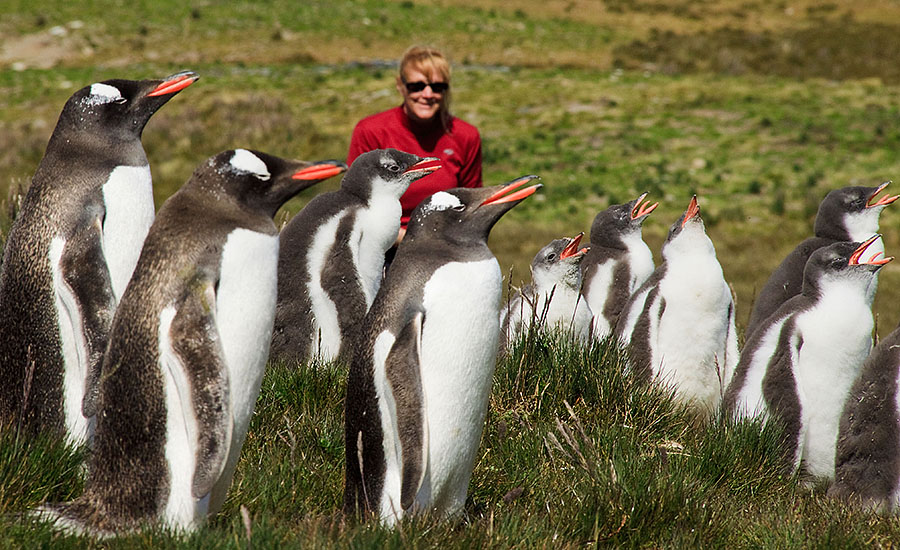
[[332, 255], [679, 325], [849, 214], [72, 250], [420, 377], [867, 457], [553, 299], [617, 262], [188, 347], [799, 365]]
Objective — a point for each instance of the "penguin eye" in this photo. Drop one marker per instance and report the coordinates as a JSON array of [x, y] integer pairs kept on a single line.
[[120, 100], [551, 257], [459, 207], [393, 168]]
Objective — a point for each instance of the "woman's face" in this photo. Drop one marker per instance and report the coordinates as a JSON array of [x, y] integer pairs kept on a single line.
[[424, 105]]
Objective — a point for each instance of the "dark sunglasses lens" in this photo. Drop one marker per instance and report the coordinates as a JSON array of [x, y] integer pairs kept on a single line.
[[415, 86], [439, 87], [436, 87]]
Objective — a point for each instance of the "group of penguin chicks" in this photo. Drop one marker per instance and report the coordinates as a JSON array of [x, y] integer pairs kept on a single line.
[[146, 335], [807, 362]]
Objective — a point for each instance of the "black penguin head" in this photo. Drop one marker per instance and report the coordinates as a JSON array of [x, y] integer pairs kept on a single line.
[[386, 171], [612, 224], [851, 213], [466, 214], [842, 263], [559, 263], [118, 110], [263, 182], [688, 234]]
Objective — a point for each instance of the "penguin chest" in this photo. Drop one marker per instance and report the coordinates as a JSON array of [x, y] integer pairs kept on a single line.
[[640, 262], [458, 353], [374, 232], [245, 314], [128, 200], [566, 310]]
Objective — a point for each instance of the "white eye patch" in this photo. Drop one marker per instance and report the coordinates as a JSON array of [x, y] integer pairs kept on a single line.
[[441, 201], [246, 162], [102, 93]]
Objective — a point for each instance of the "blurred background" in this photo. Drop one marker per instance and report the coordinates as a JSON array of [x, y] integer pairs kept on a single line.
[[759, 107]]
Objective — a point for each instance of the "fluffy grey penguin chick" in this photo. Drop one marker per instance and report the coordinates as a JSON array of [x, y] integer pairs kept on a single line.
[[798, 367], [419, 382], [553, 299], [617, 262], [679, 325], [71, 252], [188, 348], [332, 255]]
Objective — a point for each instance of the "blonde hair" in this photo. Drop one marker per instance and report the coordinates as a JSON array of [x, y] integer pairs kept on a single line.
[[429, 61]]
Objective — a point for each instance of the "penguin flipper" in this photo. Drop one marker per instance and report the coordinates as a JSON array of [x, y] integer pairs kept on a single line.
[[83, 265], [196, 342], [402, 373], [781, 391]]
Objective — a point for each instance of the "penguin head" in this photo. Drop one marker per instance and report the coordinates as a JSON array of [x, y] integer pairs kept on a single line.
[[619, 220], [465, 214], [386, 171], [118, 110], [559, 263], [851, 213], [262, 182], [843, 263], [688, 234]]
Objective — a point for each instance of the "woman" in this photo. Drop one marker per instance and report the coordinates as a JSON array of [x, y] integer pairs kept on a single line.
[[423, 125]]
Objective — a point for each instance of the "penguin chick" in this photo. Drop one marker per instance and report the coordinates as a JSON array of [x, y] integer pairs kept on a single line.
[[798, 367], [420, 378], [849, 214], [71, 252], [553, 299], [679, 325], [187, 351], [617, 262], [332, 255]]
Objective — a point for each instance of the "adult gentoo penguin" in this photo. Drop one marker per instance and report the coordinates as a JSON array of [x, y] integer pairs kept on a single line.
[[679, 325], [617, 262], [799, 365], [188, 347], [420, 377], [849, 214], [72, 250], [867, 457], [553, 299], [332, 254]]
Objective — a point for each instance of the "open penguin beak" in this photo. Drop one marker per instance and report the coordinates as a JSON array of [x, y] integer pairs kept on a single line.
[[425, 166], [508, 193], [874, 260], [640, 210], [693, 211], [883, 201], [320, 171], [572, 249], [174, 83]]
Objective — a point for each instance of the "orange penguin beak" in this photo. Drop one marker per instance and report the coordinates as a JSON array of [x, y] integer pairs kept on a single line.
[[175, 83]]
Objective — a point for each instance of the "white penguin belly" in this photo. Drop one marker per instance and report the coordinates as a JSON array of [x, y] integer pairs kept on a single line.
[[326, 337], [567, 311], [73, 348], [375, 231], [599, 289], [182, 510], [696, 311], [640, 260], [459, 352], [245, 315], [837, 337], [128, 199]]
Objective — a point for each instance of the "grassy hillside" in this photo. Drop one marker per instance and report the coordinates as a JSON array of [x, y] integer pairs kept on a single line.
[[759, 107]]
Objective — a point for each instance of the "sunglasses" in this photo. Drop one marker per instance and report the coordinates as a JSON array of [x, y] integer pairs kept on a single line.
[[436, 87]]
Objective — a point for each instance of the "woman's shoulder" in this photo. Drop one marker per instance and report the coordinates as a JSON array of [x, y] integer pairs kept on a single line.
[[378, 119]]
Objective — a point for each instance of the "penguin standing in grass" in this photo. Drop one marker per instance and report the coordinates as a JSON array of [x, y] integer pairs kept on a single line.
[[617, 262], [553, 299], [849, 214], [867, 458], [420, 378], [188, 348], [798, 367], [679, 325], [332, 255], [71, 252]]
